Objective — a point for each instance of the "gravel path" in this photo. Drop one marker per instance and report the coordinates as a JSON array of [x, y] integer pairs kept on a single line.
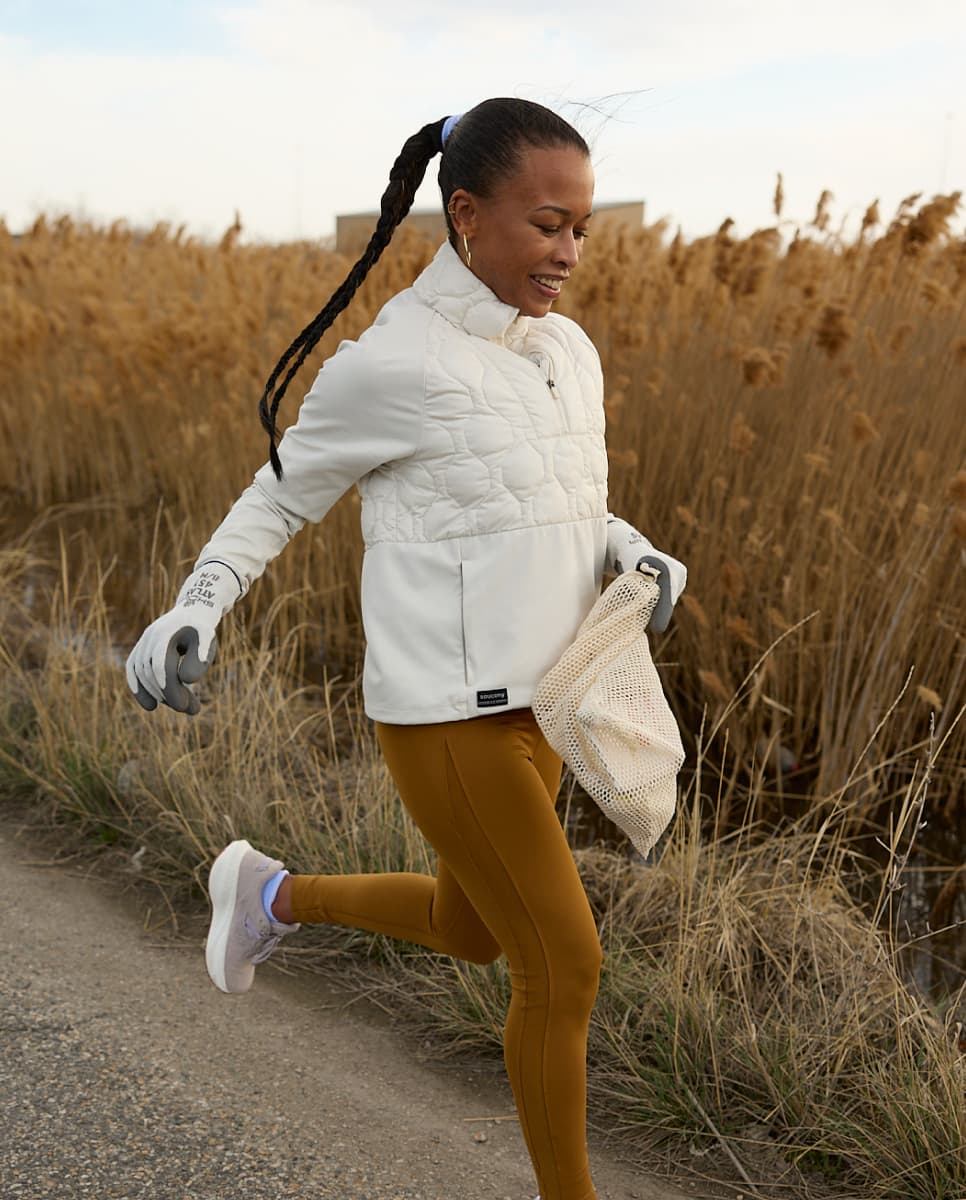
[[124, 1073]]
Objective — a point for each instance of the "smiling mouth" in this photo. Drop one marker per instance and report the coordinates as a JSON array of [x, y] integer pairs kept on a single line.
[[550, 282]]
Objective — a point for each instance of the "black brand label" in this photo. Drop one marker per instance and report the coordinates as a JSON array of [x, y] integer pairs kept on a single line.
[[492, 698]]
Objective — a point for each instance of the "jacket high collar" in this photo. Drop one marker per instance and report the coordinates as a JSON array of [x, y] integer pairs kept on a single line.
[[449, 287]]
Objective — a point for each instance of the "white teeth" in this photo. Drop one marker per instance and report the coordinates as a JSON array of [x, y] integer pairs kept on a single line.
[[548, 282]]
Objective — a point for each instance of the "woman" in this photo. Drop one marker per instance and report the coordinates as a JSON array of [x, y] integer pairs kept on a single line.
[[472, 420]]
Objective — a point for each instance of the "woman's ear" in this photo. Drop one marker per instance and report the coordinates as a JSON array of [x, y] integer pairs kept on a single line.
[[463, 212]]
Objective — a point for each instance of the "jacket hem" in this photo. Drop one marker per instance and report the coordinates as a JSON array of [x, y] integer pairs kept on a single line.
[[454, 710], [417, 715]]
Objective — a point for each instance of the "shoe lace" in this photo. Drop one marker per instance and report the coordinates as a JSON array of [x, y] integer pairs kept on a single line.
[[264, 940], [266, 948]]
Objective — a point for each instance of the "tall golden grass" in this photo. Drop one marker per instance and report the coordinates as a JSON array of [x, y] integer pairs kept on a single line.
[[750, 1012], [788, 420], [785, 415]]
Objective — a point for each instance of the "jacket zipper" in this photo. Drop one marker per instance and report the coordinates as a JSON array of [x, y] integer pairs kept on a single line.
[[558, 399], [544, 365]]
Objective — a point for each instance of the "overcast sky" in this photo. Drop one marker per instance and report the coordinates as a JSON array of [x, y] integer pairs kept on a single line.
[[292, 111]]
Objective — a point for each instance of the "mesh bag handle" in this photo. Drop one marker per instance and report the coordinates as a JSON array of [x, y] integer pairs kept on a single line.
[[603, 710]]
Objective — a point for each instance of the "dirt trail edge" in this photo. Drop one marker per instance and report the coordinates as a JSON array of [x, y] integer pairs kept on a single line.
[[124, 1073]]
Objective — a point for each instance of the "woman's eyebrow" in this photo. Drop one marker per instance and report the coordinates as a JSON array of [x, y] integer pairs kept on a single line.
[[564, 212]]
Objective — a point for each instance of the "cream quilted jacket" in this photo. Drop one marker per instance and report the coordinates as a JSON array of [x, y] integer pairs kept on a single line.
[[476, 438]]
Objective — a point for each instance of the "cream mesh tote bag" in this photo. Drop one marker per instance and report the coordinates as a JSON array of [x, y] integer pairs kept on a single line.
[[603, 710]]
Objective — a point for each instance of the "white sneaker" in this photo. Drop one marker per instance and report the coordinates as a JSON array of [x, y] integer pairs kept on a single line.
[[241, 933]]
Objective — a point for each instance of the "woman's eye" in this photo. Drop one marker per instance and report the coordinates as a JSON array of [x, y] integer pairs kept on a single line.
[[553, 230]]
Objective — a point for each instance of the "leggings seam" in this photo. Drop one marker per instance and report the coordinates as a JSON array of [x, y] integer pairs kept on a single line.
[[465, 903]]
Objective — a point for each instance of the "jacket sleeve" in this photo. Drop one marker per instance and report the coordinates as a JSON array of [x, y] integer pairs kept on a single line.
[[364, 409]]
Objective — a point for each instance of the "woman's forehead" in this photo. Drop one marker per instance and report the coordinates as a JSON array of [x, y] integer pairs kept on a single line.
[[556, 177]]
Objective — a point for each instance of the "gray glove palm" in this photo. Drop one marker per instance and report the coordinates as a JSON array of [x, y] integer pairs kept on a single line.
[[661, 617], [179, 646]]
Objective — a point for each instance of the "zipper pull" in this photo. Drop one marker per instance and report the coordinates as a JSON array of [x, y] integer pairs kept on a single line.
[[544, 363]]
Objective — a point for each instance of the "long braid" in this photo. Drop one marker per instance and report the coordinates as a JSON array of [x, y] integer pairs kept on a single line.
[[404, 180]]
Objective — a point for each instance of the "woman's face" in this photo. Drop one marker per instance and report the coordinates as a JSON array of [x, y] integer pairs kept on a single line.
[[526, 238]]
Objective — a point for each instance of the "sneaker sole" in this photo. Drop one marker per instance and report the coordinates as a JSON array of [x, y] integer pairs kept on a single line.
[[222, 891]]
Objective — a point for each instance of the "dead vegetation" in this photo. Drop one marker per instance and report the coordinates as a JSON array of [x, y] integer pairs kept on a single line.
[[785, 415]]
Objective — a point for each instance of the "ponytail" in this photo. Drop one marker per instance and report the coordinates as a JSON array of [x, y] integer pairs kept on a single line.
[[404, 179], [483, 147]]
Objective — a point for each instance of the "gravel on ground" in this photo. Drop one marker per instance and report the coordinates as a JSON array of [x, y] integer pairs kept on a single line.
[[125, 1074]]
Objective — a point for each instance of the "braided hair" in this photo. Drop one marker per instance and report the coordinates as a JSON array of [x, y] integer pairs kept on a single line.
[[484, 147]]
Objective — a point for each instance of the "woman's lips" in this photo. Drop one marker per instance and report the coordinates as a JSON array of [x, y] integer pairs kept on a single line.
[[548, 285]]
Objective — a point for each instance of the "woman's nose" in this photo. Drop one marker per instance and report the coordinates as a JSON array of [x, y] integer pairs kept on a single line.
[[567, 249]]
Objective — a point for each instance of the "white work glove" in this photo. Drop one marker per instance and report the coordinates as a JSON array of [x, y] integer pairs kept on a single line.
[[180, 646], [629, 548]]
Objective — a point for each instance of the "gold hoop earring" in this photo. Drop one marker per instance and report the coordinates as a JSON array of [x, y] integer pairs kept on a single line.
[[469, 253]]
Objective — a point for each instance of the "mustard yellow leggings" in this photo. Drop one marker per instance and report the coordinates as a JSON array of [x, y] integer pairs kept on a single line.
[[482, 792]]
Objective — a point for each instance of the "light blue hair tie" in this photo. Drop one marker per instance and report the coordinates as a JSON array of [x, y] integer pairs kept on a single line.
[[448, 126]]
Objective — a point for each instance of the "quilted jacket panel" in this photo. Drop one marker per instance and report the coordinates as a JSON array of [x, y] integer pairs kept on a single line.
[[476, 438]]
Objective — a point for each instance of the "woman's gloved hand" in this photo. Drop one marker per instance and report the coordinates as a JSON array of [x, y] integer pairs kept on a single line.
[[179, 646], [627, 549], [672, 576]]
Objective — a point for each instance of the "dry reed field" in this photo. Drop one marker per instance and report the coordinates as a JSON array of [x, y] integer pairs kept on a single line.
[[786, 415]]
